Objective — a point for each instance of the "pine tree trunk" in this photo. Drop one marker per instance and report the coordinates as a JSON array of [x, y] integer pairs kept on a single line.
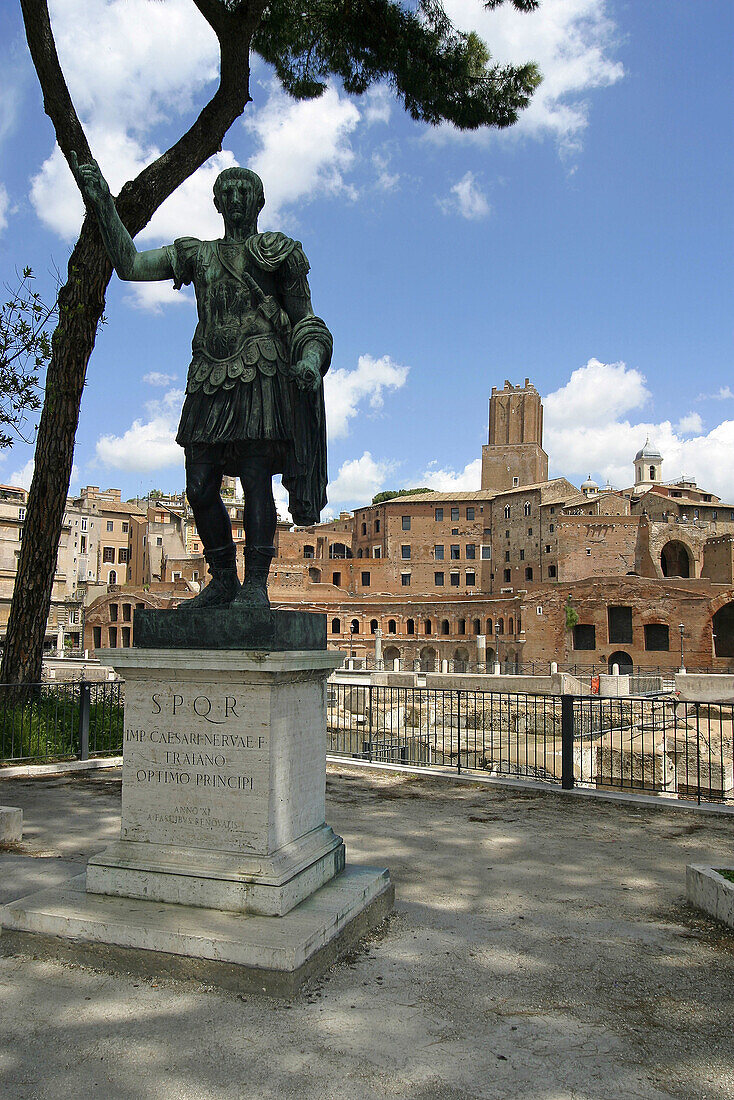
[[81, 303]]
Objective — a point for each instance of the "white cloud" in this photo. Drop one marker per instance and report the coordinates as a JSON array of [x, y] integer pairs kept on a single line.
[[24, 475], [590, 426], [131, 64], [378, 103], [572, 41], [304, 148], [467, 199], [386, 180], [596, 394], [345, 391], [4, 207], [448, 481], [148, 444], [124, 83], [152, 297], [359, 479], [157, 378], [724, 393], [691, 424]]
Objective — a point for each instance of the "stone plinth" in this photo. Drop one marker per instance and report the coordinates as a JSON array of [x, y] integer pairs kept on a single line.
[[223, 787], [225, 868], [11, 824]]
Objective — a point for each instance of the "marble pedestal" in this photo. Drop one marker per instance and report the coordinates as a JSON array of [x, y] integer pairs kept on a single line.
[[224, 855], [223, 785]]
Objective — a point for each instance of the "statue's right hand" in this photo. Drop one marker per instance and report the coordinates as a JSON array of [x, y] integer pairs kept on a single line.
[[90, 180]]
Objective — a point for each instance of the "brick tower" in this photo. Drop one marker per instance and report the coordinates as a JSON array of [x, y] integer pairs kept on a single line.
[[514, 455]]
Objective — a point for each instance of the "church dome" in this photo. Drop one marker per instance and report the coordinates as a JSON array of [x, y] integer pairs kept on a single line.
[[652, 454], [589, 486]]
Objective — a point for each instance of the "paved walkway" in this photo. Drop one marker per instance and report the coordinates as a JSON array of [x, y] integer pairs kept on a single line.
[[540, 948]]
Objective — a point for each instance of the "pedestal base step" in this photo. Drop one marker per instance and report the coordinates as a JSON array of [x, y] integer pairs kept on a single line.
[[241, 952]]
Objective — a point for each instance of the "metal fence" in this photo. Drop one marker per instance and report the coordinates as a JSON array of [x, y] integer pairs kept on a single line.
[[652, 746], [40, 723]]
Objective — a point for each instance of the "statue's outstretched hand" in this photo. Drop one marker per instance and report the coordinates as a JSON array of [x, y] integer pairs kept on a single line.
[[90, 181]]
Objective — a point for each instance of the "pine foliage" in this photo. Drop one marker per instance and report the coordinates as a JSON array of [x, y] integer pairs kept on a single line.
[[438, 72]]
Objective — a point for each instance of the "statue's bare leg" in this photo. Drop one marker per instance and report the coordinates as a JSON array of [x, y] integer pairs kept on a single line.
[[203, 484], [261, 519]]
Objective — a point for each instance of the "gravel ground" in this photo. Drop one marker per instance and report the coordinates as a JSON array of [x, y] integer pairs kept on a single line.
[[540, 947]]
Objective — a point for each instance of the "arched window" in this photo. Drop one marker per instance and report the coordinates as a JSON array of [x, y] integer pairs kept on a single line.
[[500, 626], [477, 626], [427, 628], [507, 511], [359, 552], [444, 626], [511, 628], [490, 627], [308, 551], [354, 626], [410, 626], [373, 626], [112, 578], [462, 626], [526, 508], [336, 626], [392, 626]]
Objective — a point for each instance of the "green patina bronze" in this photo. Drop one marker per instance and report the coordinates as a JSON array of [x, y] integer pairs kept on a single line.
[[254, 401]]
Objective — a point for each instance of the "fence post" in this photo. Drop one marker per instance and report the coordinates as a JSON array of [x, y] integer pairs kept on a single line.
[[85, 702], [567, 724], [369, 711], [458, 732]]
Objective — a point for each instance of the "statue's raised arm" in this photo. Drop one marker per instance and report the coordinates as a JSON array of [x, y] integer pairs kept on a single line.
[[129, 264]]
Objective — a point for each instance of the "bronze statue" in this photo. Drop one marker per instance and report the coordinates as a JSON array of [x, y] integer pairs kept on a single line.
[[254, 402]]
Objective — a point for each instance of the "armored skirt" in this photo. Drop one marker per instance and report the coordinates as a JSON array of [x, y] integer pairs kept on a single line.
[[241, 397]]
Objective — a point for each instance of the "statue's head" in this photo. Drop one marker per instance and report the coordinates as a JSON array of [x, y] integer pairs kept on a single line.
[[239, 195]]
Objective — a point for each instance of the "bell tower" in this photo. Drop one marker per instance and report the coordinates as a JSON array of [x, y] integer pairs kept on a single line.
[[514, 455]]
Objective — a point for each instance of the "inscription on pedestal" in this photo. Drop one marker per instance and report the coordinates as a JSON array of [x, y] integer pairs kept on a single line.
[[195, 767]]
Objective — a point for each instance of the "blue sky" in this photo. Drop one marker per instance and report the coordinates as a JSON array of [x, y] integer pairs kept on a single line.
[[588, 249]]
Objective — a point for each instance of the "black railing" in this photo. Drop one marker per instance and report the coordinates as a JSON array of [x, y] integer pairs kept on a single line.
[[42, 723], [652, 746]]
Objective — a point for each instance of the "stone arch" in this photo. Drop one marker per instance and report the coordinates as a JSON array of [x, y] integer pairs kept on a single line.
[[722, 628], [677, 560], [619, 657], [461, 660], [314, 575], [445, 629], [391, 654], [339, 550], [428, 659]]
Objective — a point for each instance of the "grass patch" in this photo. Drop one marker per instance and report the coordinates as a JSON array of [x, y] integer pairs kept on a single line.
[[729, 875], [43, 723]]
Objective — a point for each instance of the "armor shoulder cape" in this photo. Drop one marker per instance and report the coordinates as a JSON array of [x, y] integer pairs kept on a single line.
[[272, 251]]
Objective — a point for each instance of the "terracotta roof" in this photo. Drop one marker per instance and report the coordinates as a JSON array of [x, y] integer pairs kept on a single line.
[[416, 498]]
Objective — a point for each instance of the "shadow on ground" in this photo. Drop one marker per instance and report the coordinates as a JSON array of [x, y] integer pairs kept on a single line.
[[540, 947]]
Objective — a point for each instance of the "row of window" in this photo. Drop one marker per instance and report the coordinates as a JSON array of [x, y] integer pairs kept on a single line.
[[620, 632], [455, 514], [491, 628], [657, 637], [439, 579], [108, 554]]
